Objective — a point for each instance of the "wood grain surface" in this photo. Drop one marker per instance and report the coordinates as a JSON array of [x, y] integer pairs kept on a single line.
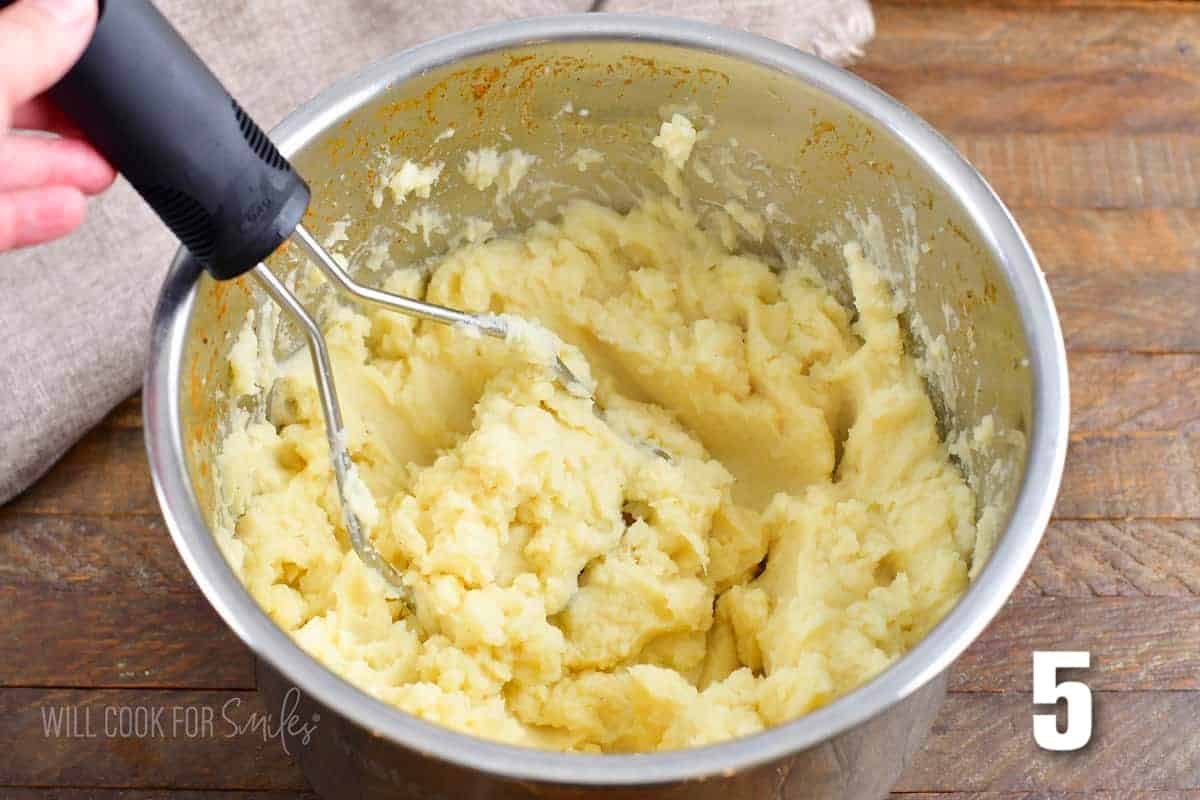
[[1085, 116]]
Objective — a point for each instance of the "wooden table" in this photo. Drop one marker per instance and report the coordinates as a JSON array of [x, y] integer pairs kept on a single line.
[[1086, 118]]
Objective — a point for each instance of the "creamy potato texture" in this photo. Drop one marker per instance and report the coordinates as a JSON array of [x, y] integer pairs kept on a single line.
[[573, 590]]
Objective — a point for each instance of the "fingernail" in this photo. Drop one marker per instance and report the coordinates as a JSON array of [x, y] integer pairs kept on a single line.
[[67, 10]]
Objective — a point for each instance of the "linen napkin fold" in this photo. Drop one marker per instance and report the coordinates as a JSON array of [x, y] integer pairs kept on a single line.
[[75, 314]]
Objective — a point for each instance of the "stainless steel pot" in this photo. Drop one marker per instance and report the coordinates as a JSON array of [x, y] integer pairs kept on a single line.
[[831, 153]]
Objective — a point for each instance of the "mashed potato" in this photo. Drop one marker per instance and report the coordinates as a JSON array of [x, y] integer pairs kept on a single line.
[[574, 591]]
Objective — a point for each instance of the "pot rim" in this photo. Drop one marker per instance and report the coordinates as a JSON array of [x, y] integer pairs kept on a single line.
[[979, 604]]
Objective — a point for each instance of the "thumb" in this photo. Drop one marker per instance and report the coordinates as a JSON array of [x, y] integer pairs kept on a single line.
[[39, 41]]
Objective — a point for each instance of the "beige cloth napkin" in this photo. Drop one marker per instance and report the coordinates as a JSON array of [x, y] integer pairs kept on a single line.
[[74, 315]]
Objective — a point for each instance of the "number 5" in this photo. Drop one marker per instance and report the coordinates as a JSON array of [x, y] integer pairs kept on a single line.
[[1048, 691]]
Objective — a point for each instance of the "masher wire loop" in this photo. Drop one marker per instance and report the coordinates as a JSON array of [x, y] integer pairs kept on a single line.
[[335, 432]]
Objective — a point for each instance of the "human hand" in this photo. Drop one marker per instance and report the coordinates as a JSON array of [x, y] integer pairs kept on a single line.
[[43, 179]]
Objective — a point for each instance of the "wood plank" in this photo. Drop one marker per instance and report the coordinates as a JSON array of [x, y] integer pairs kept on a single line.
[[179, 641], [1109, 392], [1121, 279], [1107, 475], [93, 554], [118, 640], [1080, 558], [1021, 68], [1119, 475], [197, 651], [984, 743], [105, 473], [1088, 170], [1039, 33], [1131, 475], [1098, 241], [1128, 392], [1137, 644], [219, 757], [1116, 558], [106, 601], [127, 415], [1041, 99], [1133, 311]]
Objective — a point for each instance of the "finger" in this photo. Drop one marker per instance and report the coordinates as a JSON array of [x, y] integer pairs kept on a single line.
[[27, 162], [33, 216], [39, 41], [39, 114]]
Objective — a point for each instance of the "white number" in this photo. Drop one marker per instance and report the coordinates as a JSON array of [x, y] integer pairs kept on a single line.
[[1048, 691]]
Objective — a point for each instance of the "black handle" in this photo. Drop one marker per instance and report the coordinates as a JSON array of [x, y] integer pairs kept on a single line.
[[164, 121]]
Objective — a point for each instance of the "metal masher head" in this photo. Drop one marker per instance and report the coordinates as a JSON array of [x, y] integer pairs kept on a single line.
[[348, 482]]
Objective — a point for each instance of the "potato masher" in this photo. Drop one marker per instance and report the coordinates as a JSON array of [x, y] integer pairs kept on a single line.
[[163, 120]]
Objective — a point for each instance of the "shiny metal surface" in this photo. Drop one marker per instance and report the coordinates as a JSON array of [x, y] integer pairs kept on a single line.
[[834, 156]]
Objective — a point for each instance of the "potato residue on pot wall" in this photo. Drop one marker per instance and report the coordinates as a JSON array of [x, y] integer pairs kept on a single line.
[[573, 590]]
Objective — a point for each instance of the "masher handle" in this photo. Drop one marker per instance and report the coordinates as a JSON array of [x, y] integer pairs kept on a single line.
[[164, 121]]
